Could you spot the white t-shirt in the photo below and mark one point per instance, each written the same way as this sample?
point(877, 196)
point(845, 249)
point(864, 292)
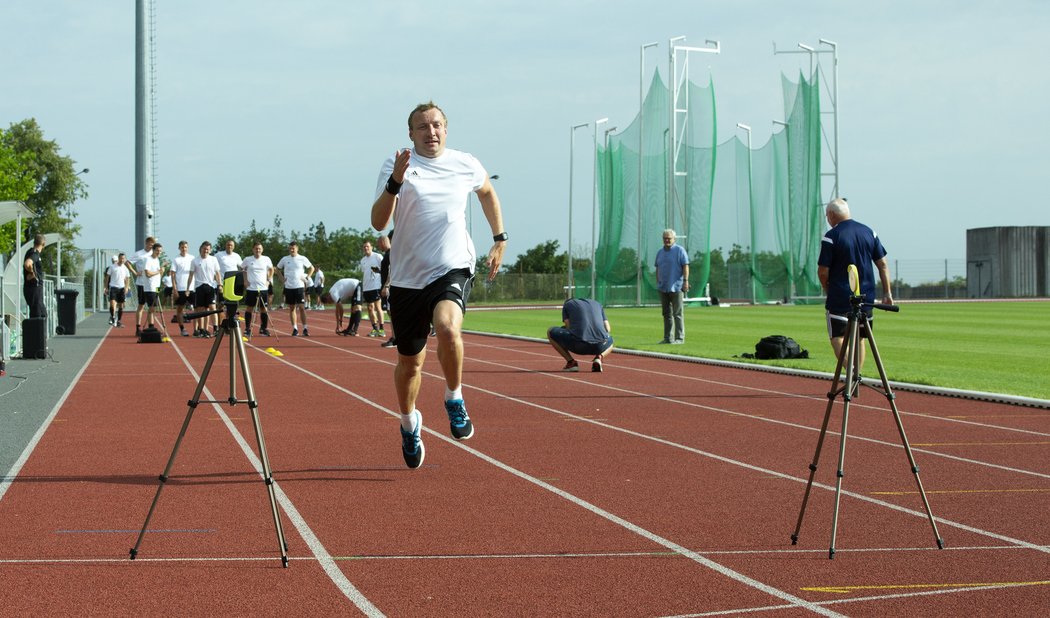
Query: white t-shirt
point(136, 261)
point(294, 270)
point(118, 275)
point(183, 266)
point(318, 278)
point(343, 289)
point(205, 271)
point(431, 217)
point(258, 270)
point(153, 281)
point(228, 261)
point(370, 271)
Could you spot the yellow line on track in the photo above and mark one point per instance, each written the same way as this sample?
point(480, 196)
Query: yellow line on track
point(963, 491)
point(848, 589)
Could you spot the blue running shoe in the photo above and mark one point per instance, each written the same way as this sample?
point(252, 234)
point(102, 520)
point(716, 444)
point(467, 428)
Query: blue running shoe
point(458, 420)
point(412, 444)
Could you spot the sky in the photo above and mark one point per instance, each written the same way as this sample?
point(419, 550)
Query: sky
point(277, 108)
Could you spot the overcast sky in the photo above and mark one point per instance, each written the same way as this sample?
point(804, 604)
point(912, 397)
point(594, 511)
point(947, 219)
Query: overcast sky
point(285, 108)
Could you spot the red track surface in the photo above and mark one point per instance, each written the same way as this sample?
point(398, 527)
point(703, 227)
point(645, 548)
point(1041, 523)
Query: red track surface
point(656, 488)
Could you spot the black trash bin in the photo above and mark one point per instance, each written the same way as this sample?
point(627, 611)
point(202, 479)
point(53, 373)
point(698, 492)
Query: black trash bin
point(67, 311)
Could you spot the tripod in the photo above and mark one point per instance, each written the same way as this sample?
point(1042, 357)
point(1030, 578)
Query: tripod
point(228, 329)
point(849, 356)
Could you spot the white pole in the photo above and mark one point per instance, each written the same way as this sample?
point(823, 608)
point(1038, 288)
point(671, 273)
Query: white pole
point(572, 148)
point(594, 207)
point(751, 208)
point(835, 89)
point(641, 148)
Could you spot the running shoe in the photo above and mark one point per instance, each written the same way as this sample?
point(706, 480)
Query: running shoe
point(412, 443)
point(295, 332)
point(112, 321)
point(596, 364)
point(459, 422)
point(571, 366)
point(306, 332)
point(265, 332)
point(389, 343)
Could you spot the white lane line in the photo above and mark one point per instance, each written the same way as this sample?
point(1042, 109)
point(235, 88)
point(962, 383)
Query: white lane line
point(869, 499)
point(594, 509)
point(5, 481)
point(316, 548)
point(855, 404)
point(690, 404)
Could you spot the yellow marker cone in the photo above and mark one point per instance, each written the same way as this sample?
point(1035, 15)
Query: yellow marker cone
point(244, 339)
point(274, 352)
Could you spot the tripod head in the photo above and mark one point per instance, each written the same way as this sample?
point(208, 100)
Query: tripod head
point(232, 293)
point(856, 300)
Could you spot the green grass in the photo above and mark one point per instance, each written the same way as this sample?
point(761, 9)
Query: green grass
point(997, 347)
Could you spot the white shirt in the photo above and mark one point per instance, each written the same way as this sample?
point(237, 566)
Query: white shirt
point(118, 275)
point(431, 217)
point(258, 271)
point(371, 278)
point(136, 261)
point(318, 278)
point(183, 266)
point(294, 269)
point(205, 271)
point(343, 289)
point(153, 281)
point(228, 261)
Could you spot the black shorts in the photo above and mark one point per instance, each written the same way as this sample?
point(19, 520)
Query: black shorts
point(117, 294)
point(295, 296)
point(204, 296)
point(255, 298)
point(151, 299)
point(167, 292)
point(837, 324)
point(141, 295)
point(370, 296)
point(183, 298)
point(415, 308)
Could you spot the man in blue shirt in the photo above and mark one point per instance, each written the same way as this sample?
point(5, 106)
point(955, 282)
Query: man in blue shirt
point(585, 331)
point(672, 279)
point(849, 242)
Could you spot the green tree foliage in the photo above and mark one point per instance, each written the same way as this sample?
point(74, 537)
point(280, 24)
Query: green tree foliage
point(543, 258)
point(29, 161)
point(336, 252)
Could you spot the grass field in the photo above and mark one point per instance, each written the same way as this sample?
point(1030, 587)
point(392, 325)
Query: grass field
point(997, 347)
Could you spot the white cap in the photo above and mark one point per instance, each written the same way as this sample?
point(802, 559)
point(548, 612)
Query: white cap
point(114, 258)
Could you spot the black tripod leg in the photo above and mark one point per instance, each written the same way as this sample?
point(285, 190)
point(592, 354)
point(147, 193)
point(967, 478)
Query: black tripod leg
point(263, 456)
point(832, 394)
point(178, 441)
point(904, 438)
point(852, 349)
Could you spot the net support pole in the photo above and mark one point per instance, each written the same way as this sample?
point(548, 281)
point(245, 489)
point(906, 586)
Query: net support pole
point(641, 170)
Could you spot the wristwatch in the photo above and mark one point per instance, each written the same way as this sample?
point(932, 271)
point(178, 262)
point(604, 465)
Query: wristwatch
point(501, 236)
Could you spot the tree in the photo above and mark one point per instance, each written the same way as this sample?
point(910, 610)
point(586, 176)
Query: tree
point(543, 258)
point(15, 185)
point(55, 184)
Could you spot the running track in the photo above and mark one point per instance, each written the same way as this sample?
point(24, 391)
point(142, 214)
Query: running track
point(657, 488)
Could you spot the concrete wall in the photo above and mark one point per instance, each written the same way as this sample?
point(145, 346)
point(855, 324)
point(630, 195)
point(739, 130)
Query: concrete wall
point(1008, 262)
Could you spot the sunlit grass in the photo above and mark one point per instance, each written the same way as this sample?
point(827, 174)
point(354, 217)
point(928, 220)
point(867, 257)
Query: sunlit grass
point(999, 347)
